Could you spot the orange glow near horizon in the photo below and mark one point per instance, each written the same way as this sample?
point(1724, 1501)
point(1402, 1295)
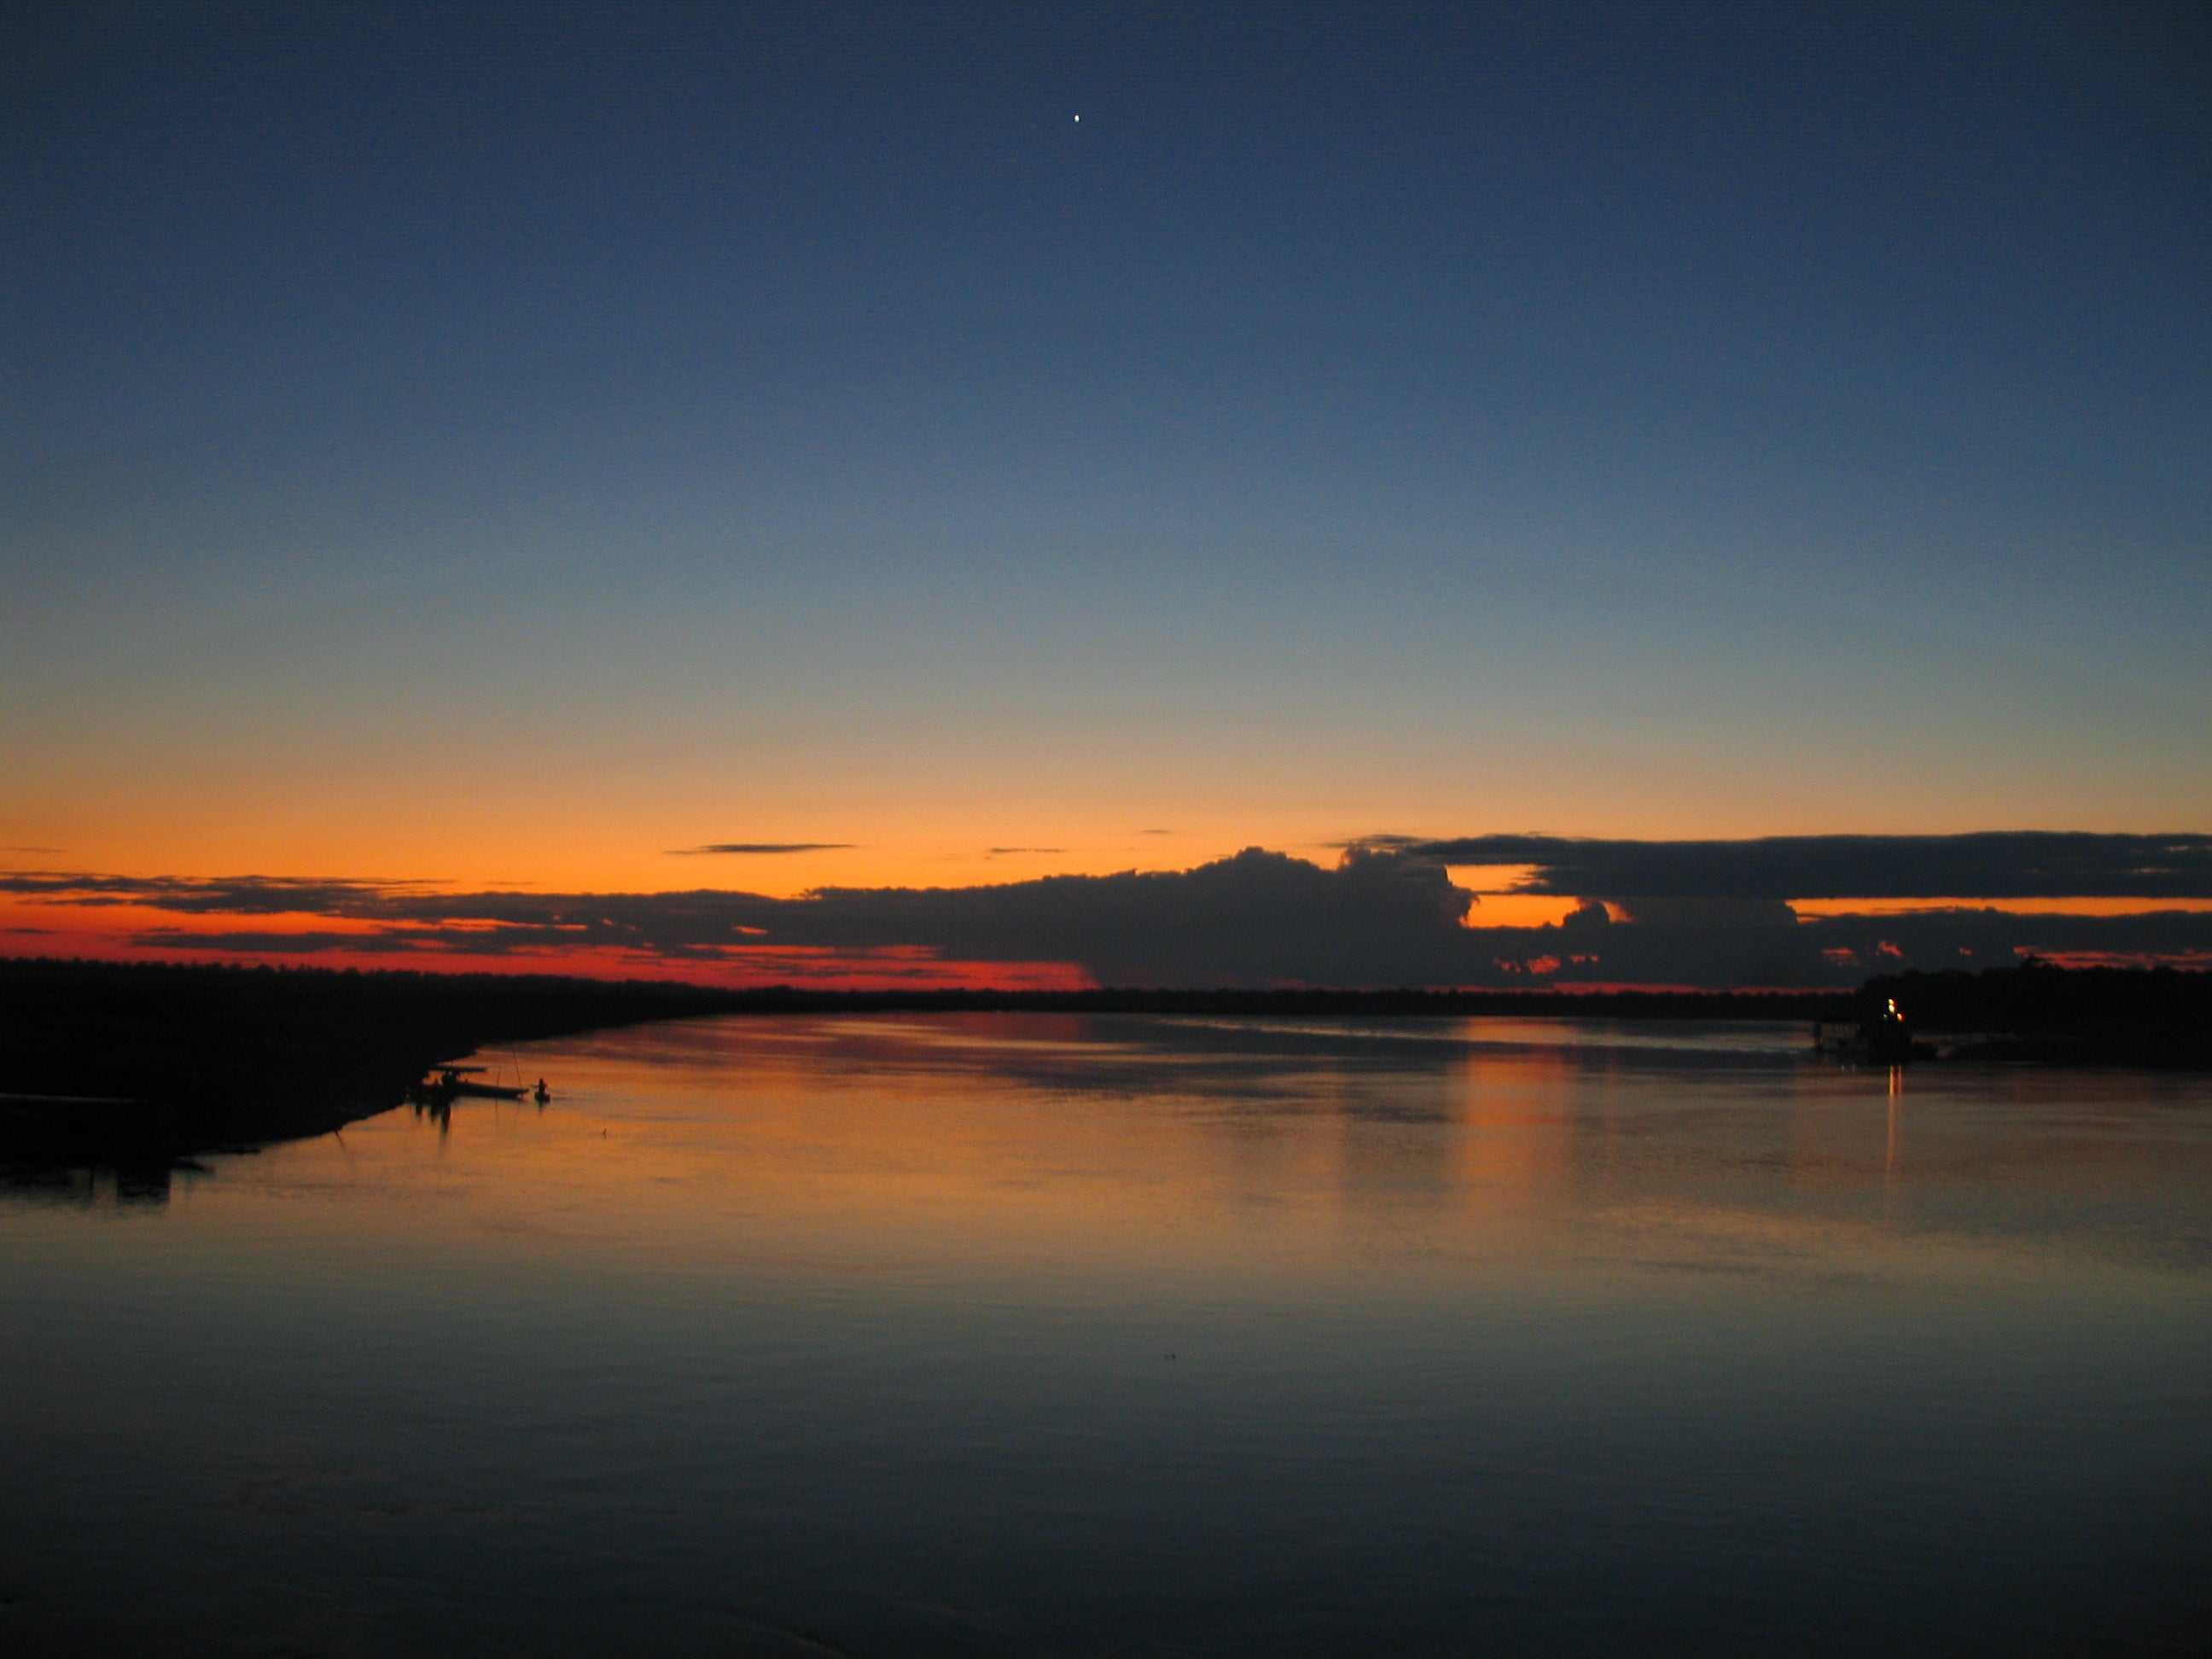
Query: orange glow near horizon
point(104, 928)
point(1516, 909)
point(109, 933)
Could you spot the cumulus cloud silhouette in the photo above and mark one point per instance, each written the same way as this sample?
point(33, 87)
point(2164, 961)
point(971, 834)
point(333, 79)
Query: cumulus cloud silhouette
point(1258, 918)
point(1261, 918)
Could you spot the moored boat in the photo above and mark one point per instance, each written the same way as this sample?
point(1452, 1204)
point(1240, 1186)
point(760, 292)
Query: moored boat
point(1881, 1039)
point(457, 1083)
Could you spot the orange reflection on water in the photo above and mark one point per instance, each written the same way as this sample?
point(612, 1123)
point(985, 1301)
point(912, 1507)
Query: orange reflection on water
point(1513, 1140)
point(1000, 1143)
point(1159, 1158)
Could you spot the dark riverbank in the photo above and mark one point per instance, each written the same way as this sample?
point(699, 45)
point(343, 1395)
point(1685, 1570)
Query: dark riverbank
point(2058, 1016)
point(163, 1061)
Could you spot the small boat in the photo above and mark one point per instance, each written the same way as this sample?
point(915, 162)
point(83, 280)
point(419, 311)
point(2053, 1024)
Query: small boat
point(1881, 1039)
point(455, 1082)
point(487, 1091)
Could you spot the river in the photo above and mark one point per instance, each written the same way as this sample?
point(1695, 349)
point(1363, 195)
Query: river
point(1112, 1334)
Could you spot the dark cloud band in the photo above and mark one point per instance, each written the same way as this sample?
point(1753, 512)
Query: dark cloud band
point(754, 848)
point(1998, 864)
point(1377, 918)
point(210, 895)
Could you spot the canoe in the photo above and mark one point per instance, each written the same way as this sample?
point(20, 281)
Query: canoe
point(483, 1091)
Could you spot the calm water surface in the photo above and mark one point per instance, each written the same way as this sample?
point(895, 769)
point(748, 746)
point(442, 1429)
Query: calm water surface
point(1005, 1334)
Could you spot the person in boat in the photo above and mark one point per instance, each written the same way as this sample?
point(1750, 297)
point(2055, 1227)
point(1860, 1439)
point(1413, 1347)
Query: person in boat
point(543, 1094)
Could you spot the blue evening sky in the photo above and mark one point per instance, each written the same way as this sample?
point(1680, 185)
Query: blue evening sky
point(1410, 394)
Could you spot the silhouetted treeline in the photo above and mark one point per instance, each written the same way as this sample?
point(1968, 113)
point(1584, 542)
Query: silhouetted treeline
point(2156, 1016)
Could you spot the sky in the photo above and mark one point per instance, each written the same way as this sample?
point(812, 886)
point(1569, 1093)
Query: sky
point(473, 450)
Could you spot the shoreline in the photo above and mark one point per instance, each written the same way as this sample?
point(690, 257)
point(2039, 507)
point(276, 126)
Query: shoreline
point(149, 1062)
point(152, 1063)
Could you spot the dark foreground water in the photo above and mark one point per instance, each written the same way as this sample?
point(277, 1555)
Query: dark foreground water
point(1131, 1336)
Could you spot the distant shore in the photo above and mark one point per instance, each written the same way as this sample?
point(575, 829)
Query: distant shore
point(2047, 1015)
point(105, 1060)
